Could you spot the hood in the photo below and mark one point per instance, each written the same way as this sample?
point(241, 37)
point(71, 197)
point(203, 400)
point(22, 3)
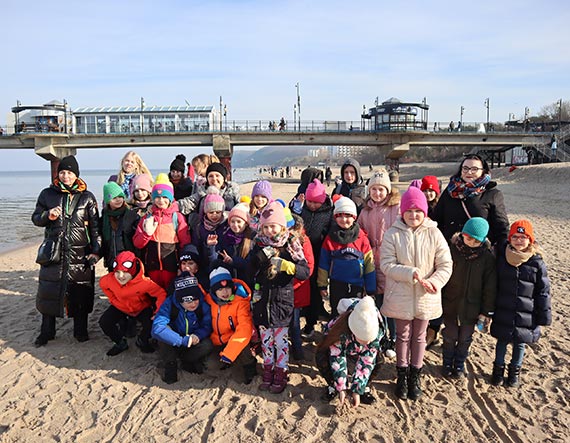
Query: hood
point(354, 163)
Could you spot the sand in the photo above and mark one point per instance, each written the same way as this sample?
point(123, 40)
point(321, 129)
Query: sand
point(72, 392)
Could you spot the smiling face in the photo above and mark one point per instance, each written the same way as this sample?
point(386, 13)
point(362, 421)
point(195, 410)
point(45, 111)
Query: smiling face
point(237, 225)
point(123, 277)
point(190, 305)
point(224, 293)
point(116, 203)
point(215, 179)
point(260, 201)
point(214, 216)
point(189, 265)
point(129, 164)
point(430, 194)
point(67, 177)
point(175, 175)
point(519, 241)
point(141, 194)
point(161, 202)
point(471, 170)
point(377, 193)
point(271, 229)
point(414, 217)
point(470, 241)
point(344, 221)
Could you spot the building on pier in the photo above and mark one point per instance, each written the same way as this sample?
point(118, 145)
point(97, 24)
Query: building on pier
point(394, 115)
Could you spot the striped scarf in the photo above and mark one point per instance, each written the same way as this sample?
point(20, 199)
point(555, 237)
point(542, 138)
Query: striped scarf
point(462, 190)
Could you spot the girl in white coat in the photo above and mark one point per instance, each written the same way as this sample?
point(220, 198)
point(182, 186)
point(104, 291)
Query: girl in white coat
point(416, 260)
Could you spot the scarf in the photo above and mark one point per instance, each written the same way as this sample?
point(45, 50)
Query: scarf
point(110, 223)
point(232, 239)
point(126, 186)
point(516, 258)
point(210, 225)
point(284, 238)
point(462, 190)
point(467, 252)
point(344, 236)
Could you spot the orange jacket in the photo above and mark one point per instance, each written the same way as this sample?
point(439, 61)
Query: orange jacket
point(232, 322)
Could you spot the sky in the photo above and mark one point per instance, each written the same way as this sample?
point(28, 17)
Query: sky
point(252, 53)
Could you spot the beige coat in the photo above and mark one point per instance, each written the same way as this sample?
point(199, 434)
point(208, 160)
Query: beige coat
point(405, 251)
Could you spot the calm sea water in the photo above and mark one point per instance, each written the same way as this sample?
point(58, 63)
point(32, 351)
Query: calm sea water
point(19, 191)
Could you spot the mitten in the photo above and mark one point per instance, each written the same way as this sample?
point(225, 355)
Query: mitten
point(283, 265)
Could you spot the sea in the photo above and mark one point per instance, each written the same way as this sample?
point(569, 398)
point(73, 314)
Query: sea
point(19, 191)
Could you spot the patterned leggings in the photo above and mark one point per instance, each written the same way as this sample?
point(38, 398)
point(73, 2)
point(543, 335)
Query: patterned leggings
point(275, 346)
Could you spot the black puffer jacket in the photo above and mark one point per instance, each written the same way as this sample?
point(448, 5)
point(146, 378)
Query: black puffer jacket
point(523, 300)
point(317, 225)
point(68, 283)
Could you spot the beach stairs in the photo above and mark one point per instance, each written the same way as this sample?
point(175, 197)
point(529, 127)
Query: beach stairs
point(542, 153)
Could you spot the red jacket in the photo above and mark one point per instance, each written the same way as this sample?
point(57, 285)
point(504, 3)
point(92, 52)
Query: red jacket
point(138, 294)
point(302, 288)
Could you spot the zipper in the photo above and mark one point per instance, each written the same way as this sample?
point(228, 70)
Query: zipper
point(218, 325)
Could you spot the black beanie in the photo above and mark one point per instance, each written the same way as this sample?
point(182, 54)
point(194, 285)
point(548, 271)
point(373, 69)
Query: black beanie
point(217, 167)
point(179, 163)
point(68, 164)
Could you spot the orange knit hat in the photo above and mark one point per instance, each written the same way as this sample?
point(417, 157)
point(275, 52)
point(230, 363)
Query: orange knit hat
point(522, 227)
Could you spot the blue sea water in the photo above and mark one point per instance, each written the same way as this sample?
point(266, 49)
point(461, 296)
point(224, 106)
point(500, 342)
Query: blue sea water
point(19, 191)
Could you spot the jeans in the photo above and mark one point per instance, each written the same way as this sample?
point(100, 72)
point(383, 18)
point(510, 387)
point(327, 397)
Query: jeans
point(456, 342)
point(501, 352)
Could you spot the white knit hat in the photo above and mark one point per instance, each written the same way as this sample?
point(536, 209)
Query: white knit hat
point(380, 177)
point(344, 205)
point(363, 320)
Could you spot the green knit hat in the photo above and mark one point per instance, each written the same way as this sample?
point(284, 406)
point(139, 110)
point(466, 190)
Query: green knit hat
point(477, 228)
point(112, 190)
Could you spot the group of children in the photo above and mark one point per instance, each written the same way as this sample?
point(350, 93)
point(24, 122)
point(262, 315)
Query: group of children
point(239, 275)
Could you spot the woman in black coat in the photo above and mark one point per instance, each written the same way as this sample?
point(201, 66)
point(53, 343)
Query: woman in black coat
point(68, 212)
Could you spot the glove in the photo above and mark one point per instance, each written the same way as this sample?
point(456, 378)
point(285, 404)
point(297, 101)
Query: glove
point(283, 265)
point(226, 362)
point(186, 341)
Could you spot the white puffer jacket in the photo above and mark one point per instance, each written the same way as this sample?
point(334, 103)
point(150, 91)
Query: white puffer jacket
point(405, 251)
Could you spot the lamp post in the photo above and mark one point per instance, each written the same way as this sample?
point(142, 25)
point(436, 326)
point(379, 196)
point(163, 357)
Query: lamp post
point(487, 106)
point(560, 115)
point(363, 118)
point(295, 117)
point(65, 115)
point(142, 115)
point(17, 127)
point(461, 110)
point(298, 104)
point(225, 117)
point(221, 106)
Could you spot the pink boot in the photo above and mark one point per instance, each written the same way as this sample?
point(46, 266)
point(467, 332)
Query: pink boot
point(267, 378)
point(279, 381)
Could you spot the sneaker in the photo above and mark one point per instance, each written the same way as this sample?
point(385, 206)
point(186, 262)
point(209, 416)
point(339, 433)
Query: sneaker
point(367, 398)
point(447, 371)
point(118, 348)
point(330, 393)
point(144, 346)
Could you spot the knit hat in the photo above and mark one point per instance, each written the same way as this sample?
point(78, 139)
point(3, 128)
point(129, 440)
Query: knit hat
point(213, 201)
point(316, 192)
point(344, 304)
point(68, 163)
point(163, 188)
point(189, 252)
point(262, 187)
point(186, 288)
point(430, 182)
point(240, 210)
point(417, 183)
point(363, 320)
point(142, 181)
point(245, 199)
point(112, 190)
point(522, 227)
point(273, 213)
point(381, 178)
point(477, 228)
point(179, 163)
point(220, 278)
point(217, 167)
point(413, 198)
point(344, 205)
point(126, 261)
point(289, 218)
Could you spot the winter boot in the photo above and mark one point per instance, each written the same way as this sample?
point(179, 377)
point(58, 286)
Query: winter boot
point(267, 379)
point(402, 383)
point(249, 372)
point(279, 381)
point(118, 347)
point(144, 345)
point(513, 376)
point(414, 386)
point(170, 372)
point(498, 375)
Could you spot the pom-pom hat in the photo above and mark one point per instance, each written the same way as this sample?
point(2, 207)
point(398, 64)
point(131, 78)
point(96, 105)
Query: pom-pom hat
point(413, 198)
point(345, 205)
point(241, 210)
point(220, 278)
point(363, 320)
point(112, 190)
point(381, 178)
point(213, 201)
point(179, 163)
point(430, 182)
point(273, 213)
point(163, 188)
point(186, 288)
point(477, 228)
point(262, 187)
point(522, 227)
point(316, 192)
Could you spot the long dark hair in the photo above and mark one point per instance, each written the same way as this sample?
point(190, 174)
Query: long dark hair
point(473, 157)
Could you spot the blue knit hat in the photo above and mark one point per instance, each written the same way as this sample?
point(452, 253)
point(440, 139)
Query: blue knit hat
point(477, 228)
point(220, 278)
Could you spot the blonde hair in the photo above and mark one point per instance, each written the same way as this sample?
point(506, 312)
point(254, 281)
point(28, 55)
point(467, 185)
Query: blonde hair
point(140, 167)
point(204, 159)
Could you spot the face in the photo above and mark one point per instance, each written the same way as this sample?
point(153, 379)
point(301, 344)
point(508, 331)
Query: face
point(189, 265)
point(313, 206)
point(344, 221)
point(199, 167)
point(271, 229)
point(224, 293)
point(129, 164)
point(470, 241)
point(67, 177)
point(237, 225)
point(414, 217)
point(349, 174)
point(161, 202)
point(430, 194)
point(215, 179)
point(116, 203)
point(190, 305)
point(378, 193)
point(141, 194)
point(123, 277)
point(520, 242)
point(214, 216)
point(175, 175)
point(260, 201)
point(471, 170)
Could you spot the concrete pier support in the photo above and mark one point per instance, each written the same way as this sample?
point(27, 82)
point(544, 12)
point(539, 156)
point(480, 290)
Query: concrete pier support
point(222, 147)
point(46, 149)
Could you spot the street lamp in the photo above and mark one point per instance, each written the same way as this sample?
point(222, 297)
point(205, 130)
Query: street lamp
point(298, 104)
point(226, 117)
point(487, 106)
point(142, 115)
point(461, 116)
point(295, 117)
point(363, 118)
point(560, 115)
point(221, 105)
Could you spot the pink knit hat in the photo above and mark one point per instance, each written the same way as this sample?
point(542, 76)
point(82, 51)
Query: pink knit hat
point(142, 181)
point(241, 210)
point(413, 198)
point(316, 192)
point(213, 201)
point(273, 213)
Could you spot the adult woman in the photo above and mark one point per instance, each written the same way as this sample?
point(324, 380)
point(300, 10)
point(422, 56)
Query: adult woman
point(131, 165)
point(68, 212)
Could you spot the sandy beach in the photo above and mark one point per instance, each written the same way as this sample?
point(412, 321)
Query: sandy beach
point(72, 392)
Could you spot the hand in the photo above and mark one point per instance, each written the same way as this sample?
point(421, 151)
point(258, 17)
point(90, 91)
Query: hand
point(301, 198)
point(92, 259)
point(212, 240)
point(324, 293)
point(186, 341)
point(226, 258)
point(150, 225)
point(428, 286)
point(355, 399)
point(54, 213)
point(194, 338)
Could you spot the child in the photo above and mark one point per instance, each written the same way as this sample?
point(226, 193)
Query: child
point(417, 263)
point(469, 295)
point(132, 295)
point(139, 203)
point(351, 185)
point(189, 259)
point(430, 188)
point(113, 232)
point(277, 258)
point(260, 197)
point(182, 185)
point(162, 233)
point(523, 300)
point(356, 333)
point(183, 326)
point(232, 325)
point(380, 211)
point(346, 258)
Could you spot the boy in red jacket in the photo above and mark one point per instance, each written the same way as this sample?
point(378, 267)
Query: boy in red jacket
point(131, 294)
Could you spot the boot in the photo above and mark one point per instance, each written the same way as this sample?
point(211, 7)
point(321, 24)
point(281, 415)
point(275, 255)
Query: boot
point(267, 379)
point(414, 387)
point(498, 375)
point(279, 381)
point(402, 383)
point(170, 372)
point(249, 372)
point(144, 345)
point(118, 347)
point(513, 376)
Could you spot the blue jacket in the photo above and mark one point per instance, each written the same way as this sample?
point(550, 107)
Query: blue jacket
point(198, 322)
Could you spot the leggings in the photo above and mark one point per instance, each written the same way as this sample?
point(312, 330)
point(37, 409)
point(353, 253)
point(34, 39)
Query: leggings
point(275, 346)
point(410, 342)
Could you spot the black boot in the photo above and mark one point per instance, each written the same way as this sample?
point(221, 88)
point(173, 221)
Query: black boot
point(118, 347)
point(170, 372)
point(414, 386)
point(249, 372)
point(513, 376)
point(402, 383)
point(498, 375)
point(47, 331)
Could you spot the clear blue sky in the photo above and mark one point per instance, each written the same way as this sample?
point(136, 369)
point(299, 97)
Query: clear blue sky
point(343, 54)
